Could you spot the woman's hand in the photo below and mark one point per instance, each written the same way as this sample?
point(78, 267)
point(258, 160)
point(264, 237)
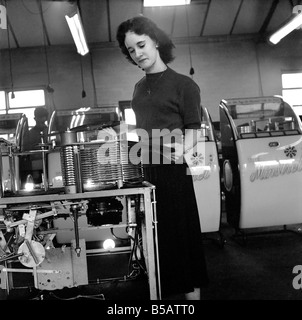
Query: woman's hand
point(176, 150)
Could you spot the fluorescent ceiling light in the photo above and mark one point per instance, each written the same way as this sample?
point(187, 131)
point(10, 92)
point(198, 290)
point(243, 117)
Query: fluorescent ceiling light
point(77, 31)
point(293, 23)
point(160, 3)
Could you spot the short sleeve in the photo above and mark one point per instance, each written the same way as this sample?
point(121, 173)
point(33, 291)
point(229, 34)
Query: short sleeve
point(191, 105)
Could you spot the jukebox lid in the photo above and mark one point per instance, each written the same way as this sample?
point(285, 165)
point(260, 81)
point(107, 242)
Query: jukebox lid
point(87, 120)
point(62, 120)
point(256, 114)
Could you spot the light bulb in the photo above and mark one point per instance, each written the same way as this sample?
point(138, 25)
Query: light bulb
point(29, 184)
point(108, 244)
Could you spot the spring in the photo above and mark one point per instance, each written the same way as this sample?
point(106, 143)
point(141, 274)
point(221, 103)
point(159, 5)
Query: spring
point(68, 166)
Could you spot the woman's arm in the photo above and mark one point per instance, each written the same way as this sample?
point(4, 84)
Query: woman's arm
point(189, 141)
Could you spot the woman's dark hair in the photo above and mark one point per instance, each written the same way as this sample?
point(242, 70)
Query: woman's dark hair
point(142, 25)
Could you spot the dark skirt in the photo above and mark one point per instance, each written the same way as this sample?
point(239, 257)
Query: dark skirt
point(181, 255)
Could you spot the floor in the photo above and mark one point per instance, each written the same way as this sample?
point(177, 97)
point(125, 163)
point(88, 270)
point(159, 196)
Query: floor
point(257, 267)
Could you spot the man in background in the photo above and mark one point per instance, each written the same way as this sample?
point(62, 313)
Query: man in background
point(33, 140)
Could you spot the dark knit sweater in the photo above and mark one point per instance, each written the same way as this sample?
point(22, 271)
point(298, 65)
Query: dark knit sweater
point(171, 106)
point(174, 102)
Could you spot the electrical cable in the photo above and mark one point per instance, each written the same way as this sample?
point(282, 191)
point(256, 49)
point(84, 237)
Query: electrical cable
point(189, 43)
point(82, 78)
point(93, 80)
point(116, 237)
point(10, 60)
point(259, 71)
point(49, 88)
point(136, 247)
point(136, 265)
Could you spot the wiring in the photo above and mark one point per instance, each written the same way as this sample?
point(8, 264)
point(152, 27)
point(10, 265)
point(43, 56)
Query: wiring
point(116, 237)
point(135, 264)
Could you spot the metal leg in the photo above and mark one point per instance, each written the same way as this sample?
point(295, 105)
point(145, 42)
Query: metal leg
point(75, 210)
point(152, 253)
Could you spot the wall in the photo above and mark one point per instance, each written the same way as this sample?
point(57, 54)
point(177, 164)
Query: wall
point(223, 69)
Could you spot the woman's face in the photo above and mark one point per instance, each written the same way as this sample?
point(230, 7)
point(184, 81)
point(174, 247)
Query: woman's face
point(143, 51)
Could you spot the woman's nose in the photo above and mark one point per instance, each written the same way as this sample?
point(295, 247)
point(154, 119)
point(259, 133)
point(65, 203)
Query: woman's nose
point(138, 53)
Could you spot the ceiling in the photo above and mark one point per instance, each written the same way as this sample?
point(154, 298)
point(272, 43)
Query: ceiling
point(41, 22)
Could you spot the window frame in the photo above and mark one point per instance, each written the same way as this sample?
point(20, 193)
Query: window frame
point(9, 110)
point(297, 107)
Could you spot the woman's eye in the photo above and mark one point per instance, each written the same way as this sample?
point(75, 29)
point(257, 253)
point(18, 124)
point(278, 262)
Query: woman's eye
point(141, 46)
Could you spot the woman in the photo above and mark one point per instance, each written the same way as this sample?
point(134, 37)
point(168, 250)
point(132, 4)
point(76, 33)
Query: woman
point(167, 105)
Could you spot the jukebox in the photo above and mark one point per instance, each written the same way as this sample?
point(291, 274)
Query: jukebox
point(204, 167)
point(261, 143)
point(92, 202)
point(88, 158)
point(12, 128)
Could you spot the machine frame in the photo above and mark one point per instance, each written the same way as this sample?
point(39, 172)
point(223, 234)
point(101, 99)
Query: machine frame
point(149, 227)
